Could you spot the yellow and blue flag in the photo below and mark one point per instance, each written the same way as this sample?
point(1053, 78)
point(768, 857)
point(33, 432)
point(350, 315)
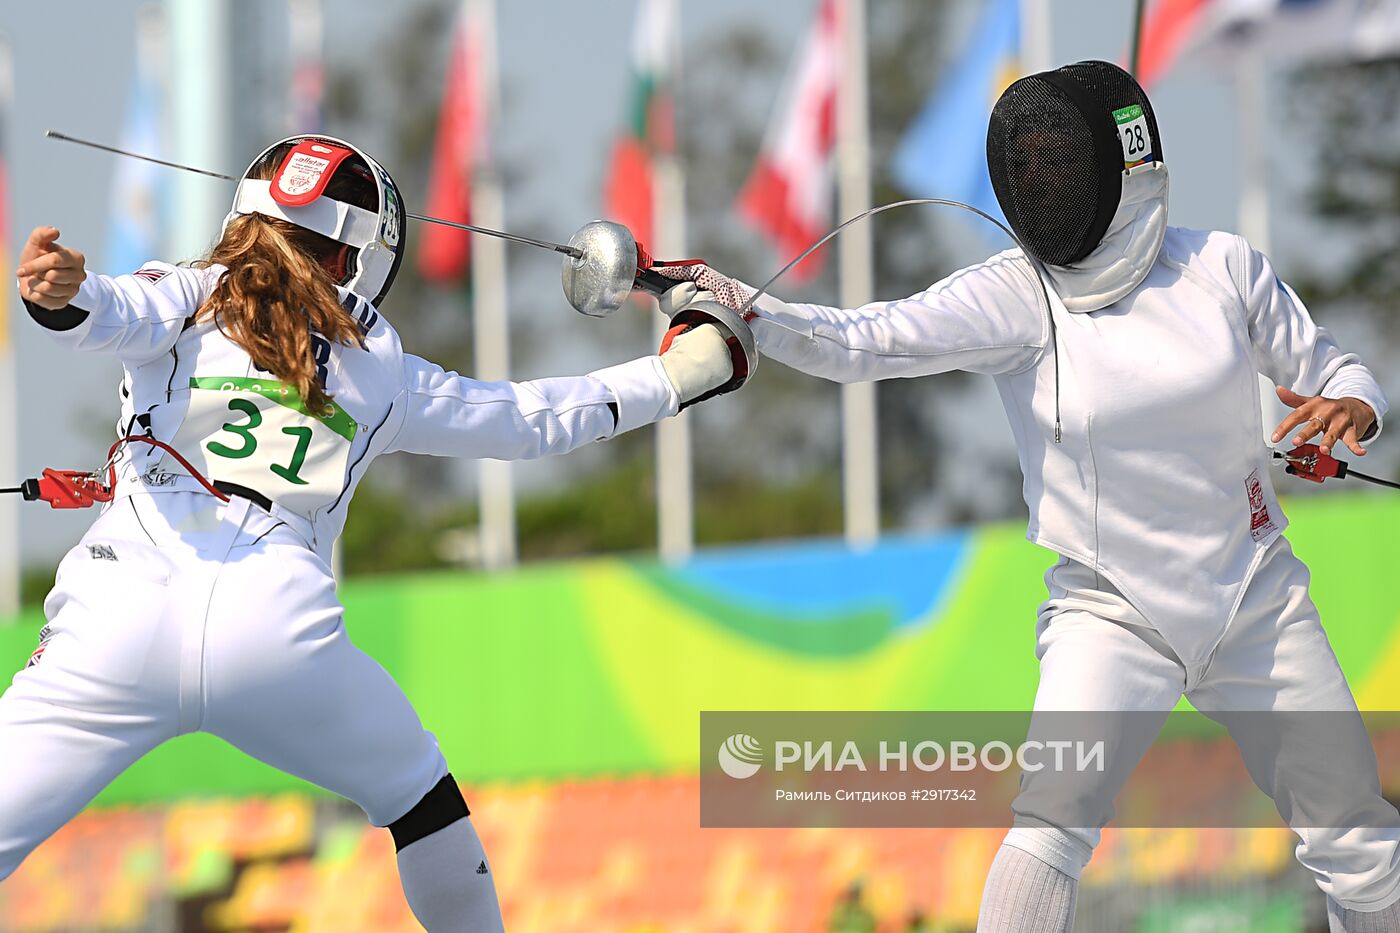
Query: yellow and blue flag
point(944, 152)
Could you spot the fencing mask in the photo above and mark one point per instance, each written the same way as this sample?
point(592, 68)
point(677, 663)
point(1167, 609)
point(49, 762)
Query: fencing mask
point(1060, 145)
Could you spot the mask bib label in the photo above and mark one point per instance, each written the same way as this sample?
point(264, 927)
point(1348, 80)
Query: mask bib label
point(1134, 134)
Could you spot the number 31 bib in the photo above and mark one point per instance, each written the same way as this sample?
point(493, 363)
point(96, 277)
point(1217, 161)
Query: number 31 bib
point(257, 433)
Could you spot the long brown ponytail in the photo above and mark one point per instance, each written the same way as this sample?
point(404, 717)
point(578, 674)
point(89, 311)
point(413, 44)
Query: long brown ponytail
point(273, 296)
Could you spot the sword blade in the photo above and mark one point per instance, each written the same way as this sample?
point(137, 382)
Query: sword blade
point(470, 228)
point(573, 251)
point(54, 134)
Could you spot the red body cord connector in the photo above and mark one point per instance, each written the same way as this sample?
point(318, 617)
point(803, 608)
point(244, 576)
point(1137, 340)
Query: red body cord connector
point(74, 489)
point(1310, 463)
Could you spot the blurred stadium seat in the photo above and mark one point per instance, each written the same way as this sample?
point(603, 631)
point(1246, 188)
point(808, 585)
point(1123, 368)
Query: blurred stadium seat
point(621, 855)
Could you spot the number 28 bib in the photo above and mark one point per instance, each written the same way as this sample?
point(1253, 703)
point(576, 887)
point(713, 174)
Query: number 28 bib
point(257, 433)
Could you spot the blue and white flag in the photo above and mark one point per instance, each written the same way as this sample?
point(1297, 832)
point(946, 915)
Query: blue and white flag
point(140, 190)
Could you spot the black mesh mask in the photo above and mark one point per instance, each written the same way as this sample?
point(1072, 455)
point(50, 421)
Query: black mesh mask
point(1058, 145)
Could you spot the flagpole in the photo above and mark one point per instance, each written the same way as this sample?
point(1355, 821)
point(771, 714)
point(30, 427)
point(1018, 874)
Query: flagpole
point(1250, 100)
point(1035, 36)
point(202, 108)
point(9, 401)
point(1135, 59)
point(492, 339)
point(675, 486)
point(859, 416)
point(1253, 219)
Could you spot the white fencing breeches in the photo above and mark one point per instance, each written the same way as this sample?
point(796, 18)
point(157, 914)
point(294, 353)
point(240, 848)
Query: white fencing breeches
point(177, 613)
point(1098, 653)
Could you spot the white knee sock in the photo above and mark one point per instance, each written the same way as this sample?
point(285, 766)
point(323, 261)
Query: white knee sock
point(448, 882)
point(1025, 895)
point(1342, 920)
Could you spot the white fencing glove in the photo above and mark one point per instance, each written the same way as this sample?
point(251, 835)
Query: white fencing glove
point(697, 361)
point(709, 350)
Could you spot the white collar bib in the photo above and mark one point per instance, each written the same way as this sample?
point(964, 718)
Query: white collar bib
point(1129, 247)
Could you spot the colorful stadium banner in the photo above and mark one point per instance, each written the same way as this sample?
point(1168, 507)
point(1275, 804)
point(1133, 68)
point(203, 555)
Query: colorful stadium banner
point(602, 667)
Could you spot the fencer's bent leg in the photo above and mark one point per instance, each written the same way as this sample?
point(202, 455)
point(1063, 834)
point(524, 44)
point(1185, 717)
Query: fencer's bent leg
point(1311, 753)
point(100, 696)
point(1096, 654)
point(286, 685)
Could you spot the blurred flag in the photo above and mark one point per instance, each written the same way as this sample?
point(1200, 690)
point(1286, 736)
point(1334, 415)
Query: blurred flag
point(141, 190)
point(944, 152)
point(308, 71)
point(461, 145)
point(1170, 26)
point(6, 91)
point(6, 95)
point(788, 195)
point(9, 397)
point(629, 194)
point(1284, 29)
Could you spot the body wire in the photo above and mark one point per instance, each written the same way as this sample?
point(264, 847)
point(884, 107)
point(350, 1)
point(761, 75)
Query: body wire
point(1037, 270)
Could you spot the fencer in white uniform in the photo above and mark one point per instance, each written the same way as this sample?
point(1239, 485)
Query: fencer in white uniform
point(179, 612)
point(1135, 407)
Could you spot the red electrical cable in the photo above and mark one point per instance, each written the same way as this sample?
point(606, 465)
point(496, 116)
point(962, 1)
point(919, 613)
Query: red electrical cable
point(143, 439)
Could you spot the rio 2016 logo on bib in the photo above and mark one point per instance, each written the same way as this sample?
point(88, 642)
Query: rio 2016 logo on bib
point(258, 433)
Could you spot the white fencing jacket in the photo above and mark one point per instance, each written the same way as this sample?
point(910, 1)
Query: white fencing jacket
point(187, 384)
point(1161, 481)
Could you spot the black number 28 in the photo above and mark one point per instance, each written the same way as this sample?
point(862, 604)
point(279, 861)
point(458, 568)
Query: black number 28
point(292, 472)
point(1137, 142)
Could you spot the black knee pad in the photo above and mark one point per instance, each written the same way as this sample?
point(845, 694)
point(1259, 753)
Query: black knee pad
point(440, 807)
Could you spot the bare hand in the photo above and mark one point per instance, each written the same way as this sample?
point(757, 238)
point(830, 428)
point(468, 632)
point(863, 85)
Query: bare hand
point(49, 273)
point(1337, 419)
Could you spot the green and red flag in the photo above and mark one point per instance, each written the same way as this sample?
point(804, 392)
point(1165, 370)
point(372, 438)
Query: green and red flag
point(650, 128)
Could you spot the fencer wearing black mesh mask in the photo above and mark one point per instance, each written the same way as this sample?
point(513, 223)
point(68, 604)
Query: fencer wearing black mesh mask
point(1174, 576)
point(1075, 158)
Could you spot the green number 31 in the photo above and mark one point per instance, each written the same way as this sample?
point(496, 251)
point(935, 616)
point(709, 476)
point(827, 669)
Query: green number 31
point(292, 472)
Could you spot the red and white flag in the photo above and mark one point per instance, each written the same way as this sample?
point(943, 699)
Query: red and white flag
point(790, 192)
point(461, 145)
point(1288, 30)
point(650, 131)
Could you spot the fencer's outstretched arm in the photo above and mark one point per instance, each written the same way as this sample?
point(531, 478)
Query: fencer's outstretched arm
point(987, 318)
point(1291, 349)
point(450, 415)
point(454, 416)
